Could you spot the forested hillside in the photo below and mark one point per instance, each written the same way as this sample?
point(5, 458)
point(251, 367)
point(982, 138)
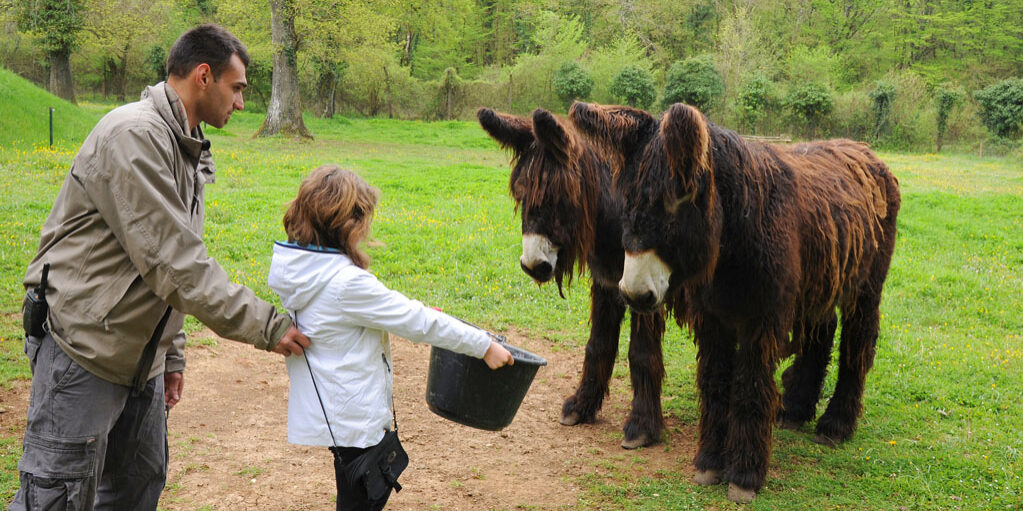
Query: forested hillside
point(903, 74)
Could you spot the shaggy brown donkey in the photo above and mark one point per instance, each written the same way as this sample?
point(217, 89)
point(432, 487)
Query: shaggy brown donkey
point(570, 219)
point(748, 242)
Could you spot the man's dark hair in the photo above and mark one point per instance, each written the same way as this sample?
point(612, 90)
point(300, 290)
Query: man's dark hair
point(210, 44)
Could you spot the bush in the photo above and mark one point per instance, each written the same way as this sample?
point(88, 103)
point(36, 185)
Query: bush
point(605, 62)
point(882, 97)
point(572, 82)
point(694, 81)
point(634, 86)
point(852, 117)
point(1002, 107)
point(946, 99)
point(755, 98)
point(811, 103)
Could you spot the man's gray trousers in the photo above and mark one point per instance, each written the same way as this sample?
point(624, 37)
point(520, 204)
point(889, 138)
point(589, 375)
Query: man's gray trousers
point(89, 444)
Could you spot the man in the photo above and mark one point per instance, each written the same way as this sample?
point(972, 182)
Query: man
point(125, 253)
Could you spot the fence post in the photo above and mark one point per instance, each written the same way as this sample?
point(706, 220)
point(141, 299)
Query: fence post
point(51, 127)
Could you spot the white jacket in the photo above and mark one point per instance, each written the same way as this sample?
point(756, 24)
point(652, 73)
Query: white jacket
point(346, 313)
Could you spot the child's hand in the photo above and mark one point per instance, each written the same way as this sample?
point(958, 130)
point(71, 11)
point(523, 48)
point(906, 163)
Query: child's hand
point(497, 356)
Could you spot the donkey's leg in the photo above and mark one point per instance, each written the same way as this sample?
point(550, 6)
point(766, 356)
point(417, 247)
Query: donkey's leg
point(606, 313)
point(646, 367)
point(805, 377)
point(715, 356)
point(856, 356)
point(752, 410)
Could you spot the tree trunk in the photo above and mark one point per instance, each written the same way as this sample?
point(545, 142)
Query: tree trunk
point(511, 90)
point(326, 92)
point(284, 113)
point(122, 77)
point(390, 106)
point(60, 75)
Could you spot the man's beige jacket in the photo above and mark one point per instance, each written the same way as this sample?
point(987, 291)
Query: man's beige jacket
point(124, 240)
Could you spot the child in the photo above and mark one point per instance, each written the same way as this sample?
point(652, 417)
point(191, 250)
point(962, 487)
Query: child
point(322, 278)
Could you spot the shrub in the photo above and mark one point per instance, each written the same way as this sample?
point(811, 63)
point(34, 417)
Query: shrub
point(634, 86)
point(810, 102)
point(572, 82)
point(756, 96)
point(693, 81)
point(1002, 107)
point(946, 99)
point(851, 117)
point(882, 97)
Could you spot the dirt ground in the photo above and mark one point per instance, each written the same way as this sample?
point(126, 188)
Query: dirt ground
point(229, 450)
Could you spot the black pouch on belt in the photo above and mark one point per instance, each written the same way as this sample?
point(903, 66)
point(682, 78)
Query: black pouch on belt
point(34, 309)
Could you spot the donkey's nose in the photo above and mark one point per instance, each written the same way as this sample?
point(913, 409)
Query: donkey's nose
point(541, 272)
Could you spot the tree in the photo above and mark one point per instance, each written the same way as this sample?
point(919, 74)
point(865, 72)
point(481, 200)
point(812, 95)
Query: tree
point(330, 35)
point(118, 29)
point(1001, 107)
point(450, 85)
point(635, 87)
point(882, 97)
point(156, 63)
point(946, 99)
point(56, 24)
point(754, 100)
point(572, 82)
point(810, 102)
point(284, 113)
point(693, 81)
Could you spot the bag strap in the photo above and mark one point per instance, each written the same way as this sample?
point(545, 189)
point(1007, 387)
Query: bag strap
point(320, 399)
point(394, 416)
point(305, 356)
point(138, 382)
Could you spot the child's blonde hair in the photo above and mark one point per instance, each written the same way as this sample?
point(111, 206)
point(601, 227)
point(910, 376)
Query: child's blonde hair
point(334, 208)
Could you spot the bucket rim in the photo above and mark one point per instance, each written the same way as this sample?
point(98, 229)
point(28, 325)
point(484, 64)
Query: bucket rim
point(524, 356)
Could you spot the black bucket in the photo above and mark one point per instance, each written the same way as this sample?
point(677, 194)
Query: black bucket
point(465, 390)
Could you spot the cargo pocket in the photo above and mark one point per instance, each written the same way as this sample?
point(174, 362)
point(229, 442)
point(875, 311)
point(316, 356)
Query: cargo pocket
point(57, 474)
point(32, 344)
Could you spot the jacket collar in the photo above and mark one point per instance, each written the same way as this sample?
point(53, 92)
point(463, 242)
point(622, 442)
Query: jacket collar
point(195, 144)
point(309, 248)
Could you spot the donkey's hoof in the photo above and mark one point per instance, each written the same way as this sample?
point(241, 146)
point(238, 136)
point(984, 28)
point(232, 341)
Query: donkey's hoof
point(642, 440)
point(826, 440)
point(740, 495)
point(790, 424)
point(570, 419)
point(707, 477)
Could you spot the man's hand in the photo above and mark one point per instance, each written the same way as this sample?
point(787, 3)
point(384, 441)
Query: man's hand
point(293, 343)
point(173, 385)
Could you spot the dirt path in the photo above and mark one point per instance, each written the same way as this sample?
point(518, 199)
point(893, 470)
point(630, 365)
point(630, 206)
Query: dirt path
point(229, 450)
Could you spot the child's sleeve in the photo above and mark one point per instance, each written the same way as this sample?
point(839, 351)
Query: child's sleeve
point(365, 301)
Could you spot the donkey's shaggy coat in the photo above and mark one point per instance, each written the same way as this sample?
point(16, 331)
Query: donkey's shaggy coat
point(570, 218)
point(748, 242)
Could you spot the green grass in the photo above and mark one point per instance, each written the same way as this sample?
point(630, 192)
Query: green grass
point(942, 425)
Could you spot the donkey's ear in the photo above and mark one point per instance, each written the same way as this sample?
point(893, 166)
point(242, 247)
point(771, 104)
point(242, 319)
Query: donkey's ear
point(618, 127)
point(508, 130)
point(686, 140)
point(552, 135)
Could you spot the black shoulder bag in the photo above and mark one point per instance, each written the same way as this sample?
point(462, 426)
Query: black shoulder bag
point(375, 471)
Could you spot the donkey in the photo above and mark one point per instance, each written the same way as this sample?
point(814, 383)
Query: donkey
point(748, 242)
point(570, 218)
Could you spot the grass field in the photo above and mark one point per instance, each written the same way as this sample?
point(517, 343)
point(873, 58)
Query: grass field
point(942, 427)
